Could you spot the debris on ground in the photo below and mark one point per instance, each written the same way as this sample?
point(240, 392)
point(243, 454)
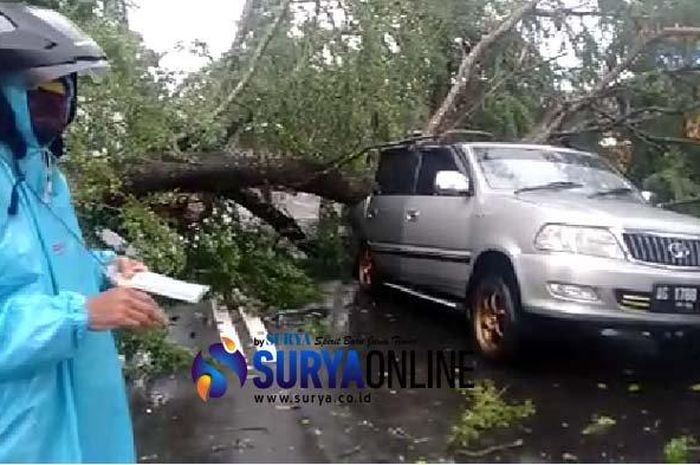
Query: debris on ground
point(157, 399)
point(292, 316)
point(238, 444)
point(568, 457)
point(677, 450)
point(490, 450)
point(599, 424)
point(398, 432)
point(350, 452)
point(287, 407)
point(487, 410)
point(255, 428)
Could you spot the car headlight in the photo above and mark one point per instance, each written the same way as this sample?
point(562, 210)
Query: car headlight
point(598, 242)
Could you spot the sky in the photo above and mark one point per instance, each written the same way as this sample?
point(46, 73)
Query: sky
point(164, 23)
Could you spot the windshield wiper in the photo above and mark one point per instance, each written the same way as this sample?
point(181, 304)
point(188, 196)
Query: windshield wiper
point(616, 191)
point(551, 185)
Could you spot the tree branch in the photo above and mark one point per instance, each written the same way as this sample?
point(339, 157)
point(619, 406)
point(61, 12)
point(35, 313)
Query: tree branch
point(285, 226)
point(633, 117)
point(564, 12)
point(496, 87)
point(468, 66)
point(254, 61)
point(556, 116)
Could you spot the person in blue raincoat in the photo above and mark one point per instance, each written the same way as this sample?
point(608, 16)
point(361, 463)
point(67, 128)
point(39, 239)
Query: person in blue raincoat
point(62, 394)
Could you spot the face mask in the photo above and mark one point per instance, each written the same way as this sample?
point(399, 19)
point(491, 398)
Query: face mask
point(49, 109)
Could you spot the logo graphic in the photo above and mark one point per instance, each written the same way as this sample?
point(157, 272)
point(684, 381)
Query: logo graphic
point(679, 250)
point(210, 382)
point(314, 364)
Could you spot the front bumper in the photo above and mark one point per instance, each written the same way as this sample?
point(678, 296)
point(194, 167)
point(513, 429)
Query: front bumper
point(609, 278)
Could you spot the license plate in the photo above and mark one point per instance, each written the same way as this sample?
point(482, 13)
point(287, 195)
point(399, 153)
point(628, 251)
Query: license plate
point(675, 299)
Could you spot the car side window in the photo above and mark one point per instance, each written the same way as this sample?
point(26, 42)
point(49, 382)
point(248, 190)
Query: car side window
point(397, 172)
point(433, 161)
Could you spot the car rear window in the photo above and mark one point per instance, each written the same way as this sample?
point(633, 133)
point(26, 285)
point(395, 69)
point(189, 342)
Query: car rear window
point(397, 172)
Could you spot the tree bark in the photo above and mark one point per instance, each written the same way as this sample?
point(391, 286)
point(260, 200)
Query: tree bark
point(468, 67)
point(227, 174)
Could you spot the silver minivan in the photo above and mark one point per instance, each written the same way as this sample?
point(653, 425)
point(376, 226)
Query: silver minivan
point(509, 231)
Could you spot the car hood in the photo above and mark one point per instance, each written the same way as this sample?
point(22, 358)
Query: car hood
point(611, 212)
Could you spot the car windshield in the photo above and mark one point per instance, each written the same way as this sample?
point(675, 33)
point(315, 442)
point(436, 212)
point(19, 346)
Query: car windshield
point(524, 169)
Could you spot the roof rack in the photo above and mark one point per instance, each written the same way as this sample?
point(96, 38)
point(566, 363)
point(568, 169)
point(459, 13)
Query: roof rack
point(447, 137)
point(465, 135)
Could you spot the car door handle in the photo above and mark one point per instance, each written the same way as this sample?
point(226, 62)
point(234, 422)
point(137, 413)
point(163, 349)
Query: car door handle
point(372, 213)
point(412, 215)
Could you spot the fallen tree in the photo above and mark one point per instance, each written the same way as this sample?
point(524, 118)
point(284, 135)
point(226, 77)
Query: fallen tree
point(228, 174)
point(234, 174)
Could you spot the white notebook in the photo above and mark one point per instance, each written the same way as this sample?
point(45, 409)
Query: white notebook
point(162, 285)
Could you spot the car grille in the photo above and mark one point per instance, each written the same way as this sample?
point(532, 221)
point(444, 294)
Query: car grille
point(663, 250)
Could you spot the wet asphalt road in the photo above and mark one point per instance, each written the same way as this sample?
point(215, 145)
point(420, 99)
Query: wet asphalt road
point(569, 380)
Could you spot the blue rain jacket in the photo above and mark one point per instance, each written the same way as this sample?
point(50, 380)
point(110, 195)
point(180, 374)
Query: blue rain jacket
point(62, 394)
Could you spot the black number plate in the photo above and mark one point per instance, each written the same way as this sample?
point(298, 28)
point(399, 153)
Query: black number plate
point(675, 299)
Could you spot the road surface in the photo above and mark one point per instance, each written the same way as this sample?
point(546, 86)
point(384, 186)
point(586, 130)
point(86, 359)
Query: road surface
point(650, 397)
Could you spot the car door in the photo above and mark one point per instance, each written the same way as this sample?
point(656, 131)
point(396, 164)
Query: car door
point(385, 214)
point(437, 227)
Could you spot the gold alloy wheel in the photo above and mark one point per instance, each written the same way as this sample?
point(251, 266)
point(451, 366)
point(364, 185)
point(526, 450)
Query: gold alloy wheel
point(490, 319)
point(365, 271)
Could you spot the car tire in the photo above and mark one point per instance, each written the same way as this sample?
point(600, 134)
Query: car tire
point(495, 316)
point(366, 271)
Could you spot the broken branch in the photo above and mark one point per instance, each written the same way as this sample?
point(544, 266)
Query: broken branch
point(468, 67)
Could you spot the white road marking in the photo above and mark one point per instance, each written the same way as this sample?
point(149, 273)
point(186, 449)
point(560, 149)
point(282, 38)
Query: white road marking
point(256, 330)
point(225, 325)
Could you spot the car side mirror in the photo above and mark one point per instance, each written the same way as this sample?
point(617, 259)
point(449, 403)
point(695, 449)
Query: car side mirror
point(650, 197)
point(451, 183)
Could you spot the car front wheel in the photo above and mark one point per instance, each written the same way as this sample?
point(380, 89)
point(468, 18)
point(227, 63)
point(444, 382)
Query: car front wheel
point(495, 309)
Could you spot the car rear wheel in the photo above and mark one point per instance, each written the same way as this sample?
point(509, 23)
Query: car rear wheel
point(495, 308)
point(367, 274)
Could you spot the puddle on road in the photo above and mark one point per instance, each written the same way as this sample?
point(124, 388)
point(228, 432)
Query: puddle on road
point(597, 399)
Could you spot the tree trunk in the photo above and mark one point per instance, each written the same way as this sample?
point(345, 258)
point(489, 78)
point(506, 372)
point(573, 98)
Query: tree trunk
point(224, 174)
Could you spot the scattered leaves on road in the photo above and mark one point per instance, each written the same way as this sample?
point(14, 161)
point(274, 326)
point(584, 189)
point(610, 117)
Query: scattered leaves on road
point(486, 410)
point(599, 424)
point(677, 450)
